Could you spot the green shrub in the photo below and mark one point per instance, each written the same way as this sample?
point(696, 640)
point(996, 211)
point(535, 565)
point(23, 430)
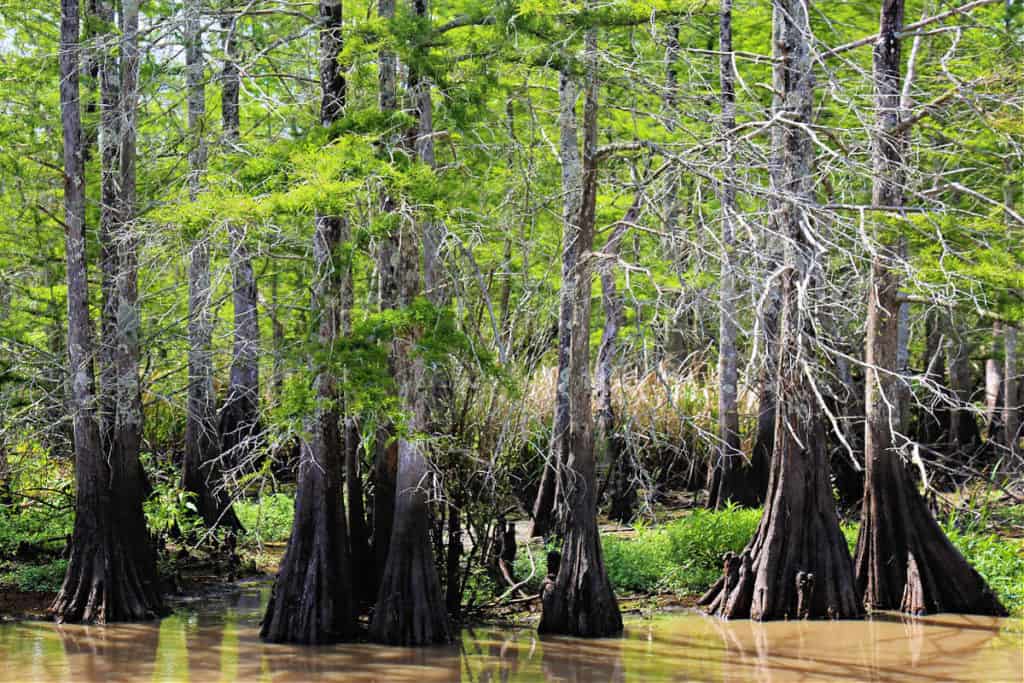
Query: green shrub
point(683, 556)
point(39, 577)
point(699, 540)
point(266, 519)
point(35, 525)
point(171, 511)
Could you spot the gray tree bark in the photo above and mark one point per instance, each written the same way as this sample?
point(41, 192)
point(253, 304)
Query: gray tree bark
point(201, 469)
point(965, 437)
point(230, 79)
point(581, 601)
point(731, 478)
point(1011, 409)
point(994, 388)
point(238, 428)
point(903, 559)
point(797, 565)
point(547, 509)
point(111, 573)
point(109, 138)
point(239, 417)
point(611, 446)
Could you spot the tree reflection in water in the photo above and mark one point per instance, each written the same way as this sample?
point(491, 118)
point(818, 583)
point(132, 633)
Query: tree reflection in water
point(121, 652)
point(216, 639)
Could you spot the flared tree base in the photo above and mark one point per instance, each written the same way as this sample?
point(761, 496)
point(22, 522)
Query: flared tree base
point(905, 562)
point(311, 602)
point(410, 609)
point(581, 602)
point(797, 566)
point(108, 580)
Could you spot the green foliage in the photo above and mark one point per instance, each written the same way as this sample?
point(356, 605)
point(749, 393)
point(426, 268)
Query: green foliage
point(36, 577)
point(40, 513)
point(685, 555)
point(699, 540)
point(33, 525)
point(1000, 561)
point(170, 508)
point(267, 519)
point(643, 563)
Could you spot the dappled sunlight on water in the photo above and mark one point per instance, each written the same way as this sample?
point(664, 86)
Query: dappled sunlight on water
point(216, 640)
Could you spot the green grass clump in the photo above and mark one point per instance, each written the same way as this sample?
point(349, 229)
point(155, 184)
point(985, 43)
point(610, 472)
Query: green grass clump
point(699, 540)
point(268, 519)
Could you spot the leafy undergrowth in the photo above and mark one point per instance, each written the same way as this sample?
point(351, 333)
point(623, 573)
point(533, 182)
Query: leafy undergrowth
point(1000, 560)
point(35, 578)
point(33, 533)
point(684, 555)
point(266, 520)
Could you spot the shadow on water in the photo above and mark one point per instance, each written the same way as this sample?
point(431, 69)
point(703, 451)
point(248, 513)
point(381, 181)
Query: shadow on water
point(216, 639)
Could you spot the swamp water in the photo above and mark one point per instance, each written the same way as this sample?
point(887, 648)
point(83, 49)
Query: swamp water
point(215, 639)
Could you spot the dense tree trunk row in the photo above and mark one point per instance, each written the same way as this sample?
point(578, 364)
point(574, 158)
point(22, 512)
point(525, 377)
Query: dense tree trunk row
point(797, 565)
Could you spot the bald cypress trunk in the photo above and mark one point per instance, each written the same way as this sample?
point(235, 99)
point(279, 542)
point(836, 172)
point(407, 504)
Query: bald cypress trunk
point(732, 479)
point(111, 573)
point(410, 608)
point(994, 388)
point(201, 469)
point(230, 79)
point(129, 417)
point(611, 445)
point(965, 435)
point(581, 601)
point(109, 137)
point(548, 504)
point(239, 417)
point(770, 309)
point(238, 426)
point(797, 565)
point(904, 560)
point(312, 599)
point(385, 466)
point(437, 293)
point(1011, 400)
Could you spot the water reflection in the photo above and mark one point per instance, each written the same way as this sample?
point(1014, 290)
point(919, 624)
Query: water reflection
point(217, 640)
point(94, 653)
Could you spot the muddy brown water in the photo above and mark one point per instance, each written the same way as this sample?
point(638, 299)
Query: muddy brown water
point(215, 639)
